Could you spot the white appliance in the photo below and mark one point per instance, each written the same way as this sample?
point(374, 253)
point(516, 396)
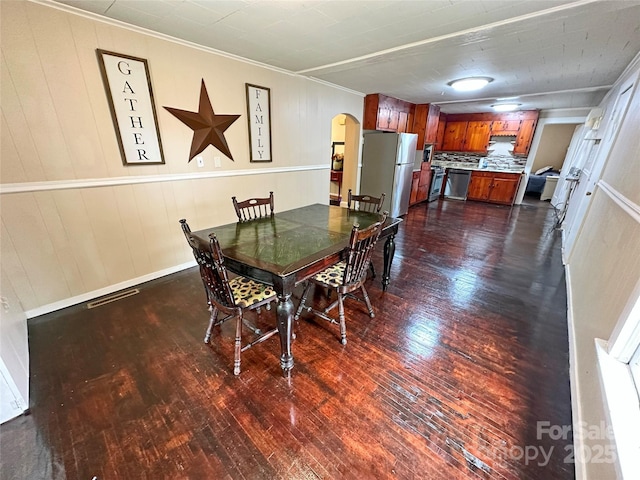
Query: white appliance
point(387, 167)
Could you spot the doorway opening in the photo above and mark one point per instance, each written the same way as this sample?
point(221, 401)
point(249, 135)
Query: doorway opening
point(343, 157)
point(548, 161)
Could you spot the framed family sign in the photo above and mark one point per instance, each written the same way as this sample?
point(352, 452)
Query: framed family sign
point(126, 80)
point(259, 117)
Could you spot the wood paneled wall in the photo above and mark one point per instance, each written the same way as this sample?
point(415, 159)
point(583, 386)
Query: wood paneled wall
point(57, 130)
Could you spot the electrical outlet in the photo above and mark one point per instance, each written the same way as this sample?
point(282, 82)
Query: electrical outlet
point(216, 162)
point(200, 161)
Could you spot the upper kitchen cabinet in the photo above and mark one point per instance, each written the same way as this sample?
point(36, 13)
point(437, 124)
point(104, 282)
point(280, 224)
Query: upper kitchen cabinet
point(442, 123)
point(505, 127)
point(477, 136)
point(524, 137)
point(387, 113)
point(479, 127)
point(454, 134)
point(425, 123)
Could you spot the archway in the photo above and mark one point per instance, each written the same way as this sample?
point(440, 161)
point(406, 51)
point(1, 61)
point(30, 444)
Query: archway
point(344, 154)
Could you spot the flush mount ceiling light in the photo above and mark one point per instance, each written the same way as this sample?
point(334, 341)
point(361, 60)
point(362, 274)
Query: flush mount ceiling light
point(469, 84)
point(505, 107)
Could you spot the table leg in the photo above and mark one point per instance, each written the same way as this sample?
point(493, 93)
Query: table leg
point(284, 312)
point(389, 252)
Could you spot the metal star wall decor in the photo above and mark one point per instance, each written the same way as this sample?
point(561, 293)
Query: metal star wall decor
point(208, 128)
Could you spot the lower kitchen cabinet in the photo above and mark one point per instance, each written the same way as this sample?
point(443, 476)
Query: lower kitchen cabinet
point(420, 184)
point(415, 184)
point(494, 187)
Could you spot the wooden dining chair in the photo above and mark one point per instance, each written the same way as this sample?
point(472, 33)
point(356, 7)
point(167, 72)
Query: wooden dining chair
point(230, 298)
point(346, 277)
point(253, 208)
point(365, 203)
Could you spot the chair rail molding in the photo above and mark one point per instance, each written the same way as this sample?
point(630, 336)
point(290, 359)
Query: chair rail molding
point(26, 187)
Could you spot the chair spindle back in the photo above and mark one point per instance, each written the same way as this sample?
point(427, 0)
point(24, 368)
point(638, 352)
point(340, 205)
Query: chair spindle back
point(360, 249)
point(253, 208)
point(365, 203)
point(212, 269)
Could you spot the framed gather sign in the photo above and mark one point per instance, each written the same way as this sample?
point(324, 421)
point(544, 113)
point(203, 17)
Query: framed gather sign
point(126, 80)
point(259, 116)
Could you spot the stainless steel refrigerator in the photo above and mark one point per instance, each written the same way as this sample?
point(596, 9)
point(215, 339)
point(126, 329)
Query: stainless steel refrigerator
point(387, 167)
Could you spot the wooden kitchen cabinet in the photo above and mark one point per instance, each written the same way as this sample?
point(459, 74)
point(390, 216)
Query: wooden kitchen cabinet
point(420, 184)
point(467, 136)
point(477, 136)
point(521, 124)
point(494, 187)
point(504, 188)
point(425, 123)
point(442, 123)
point(382, 118)
point(454, 134)
point(415, 183)
point(425, 181)
point(387, 113)
point(403, 119)
point(479, 186)
point(505, 127)
point(433, 121)
point(524, 137)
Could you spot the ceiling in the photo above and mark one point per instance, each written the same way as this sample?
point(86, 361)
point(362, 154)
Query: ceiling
point(551, 54)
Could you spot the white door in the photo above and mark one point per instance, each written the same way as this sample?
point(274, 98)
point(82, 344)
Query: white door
point(14, 353)
point(592, 170)
point(11, 402)
point(573, 158)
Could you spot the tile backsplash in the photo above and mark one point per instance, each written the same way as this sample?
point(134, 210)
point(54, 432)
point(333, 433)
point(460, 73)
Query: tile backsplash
point(499, 156)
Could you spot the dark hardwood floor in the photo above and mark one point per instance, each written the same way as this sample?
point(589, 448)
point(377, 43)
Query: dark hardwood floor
point(467, 353)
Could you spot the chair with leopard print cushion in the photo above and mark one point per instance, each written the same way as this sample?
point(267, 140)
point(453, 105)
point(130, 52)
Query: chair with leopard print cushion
point(229, 297)
point(347, 276)
point(366, 203)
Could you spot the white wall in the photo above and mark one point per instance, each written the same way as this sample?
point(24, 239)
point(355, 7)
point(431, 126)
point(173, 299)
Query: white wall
point(76, 223)
point(548, 117)
point(76, 220)
point(554, 141)
point(604, 268)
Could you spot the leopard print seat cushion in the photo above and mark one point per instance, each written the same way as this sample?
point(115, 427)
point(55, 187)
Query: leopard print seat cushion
point(332, 275)
point(247, 292)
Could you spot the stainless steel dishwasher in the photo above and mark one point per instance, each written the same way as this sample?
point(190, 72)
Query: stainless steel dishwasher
point(457, 184)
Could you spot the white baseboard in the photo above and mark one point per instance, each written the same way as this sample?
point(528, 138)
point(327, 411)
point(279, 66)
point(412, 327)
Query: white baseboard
point(68, 302)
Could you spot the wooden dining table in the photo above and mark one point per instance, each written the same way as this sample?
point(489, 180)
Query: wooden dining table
point(289, 247)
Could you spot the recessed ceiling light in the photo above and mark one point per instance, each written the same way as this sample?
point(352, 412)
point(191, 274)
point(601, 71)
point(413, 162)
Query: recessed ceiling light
point(469, 84)
point(505, 107)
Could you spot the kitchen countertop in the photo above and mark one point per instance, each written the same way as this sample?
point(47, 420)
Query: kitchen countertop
point(476, 167)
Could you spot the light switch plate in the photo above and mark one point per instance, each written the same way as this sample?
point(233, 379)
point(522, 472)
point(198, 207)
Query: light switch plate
point(200, 161)
point(216, 162)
